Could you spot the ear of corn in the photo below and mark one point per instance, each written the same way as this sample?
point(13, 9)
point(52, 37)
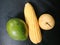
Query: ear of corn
point(31, 20)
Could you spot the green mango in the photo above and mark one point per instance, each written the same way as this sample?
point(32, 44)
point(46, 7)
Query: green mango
point(17, 29)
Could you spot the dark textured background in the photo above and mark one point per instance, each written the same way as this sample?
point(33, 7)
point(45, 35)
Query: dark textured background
point(14, 8)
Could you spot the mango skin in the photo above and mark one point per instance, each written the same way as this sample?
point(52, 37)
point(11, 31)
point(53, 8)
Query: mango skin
point(17, 29)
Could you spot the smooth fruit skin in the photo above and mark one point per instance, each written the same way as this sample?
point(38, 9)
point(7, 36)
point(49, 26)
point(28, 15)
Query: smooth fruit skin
point(46, 22)
point(17, 29)
point(31, 20)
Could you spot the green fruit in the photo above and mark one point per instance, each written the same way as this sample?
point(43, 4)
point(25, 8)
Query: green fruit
point(17, 29)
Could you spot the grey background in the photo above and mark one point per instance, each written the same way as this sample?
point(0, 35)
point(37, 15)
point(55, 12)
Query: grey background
point(14, 8)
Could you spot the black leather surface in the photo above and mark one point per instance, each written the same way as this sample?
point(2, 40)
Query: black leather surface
point(14, 8)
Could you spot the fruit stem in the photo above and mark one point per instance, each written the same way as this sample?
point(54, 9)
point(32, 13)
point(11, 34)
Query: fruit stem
point(48, 24)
